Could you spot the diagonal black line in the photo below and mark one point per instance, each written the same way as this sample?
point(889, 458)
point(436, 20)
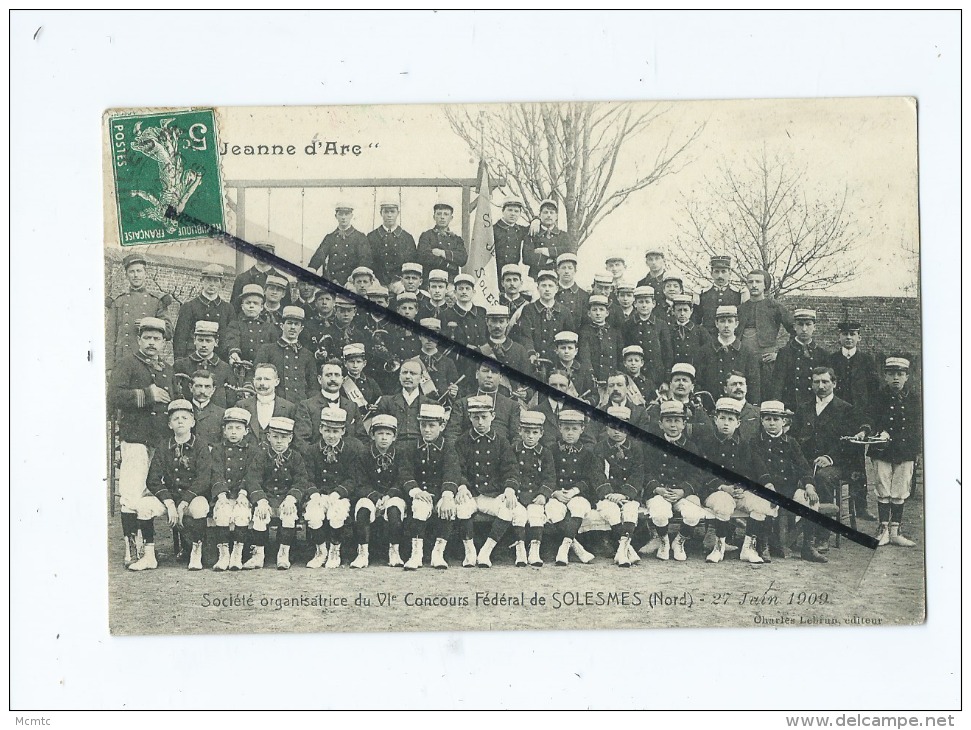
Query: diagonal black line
point(590, 411)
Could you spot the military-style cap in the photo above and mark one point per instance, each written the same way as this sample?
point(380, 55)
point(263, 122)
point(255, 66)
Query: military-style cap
point(726, 310)
point(721, 262)
point(266, 246)
point(683, 368)
point(499, 310)
point(728, 405)
point(377, 290)
point(410, 267)
point(532, 418)
point(438, 275)
point(852, 325)
point(566, 336)
point(597, 299)
point(773, 408)
point(252, 290)
point(237, 415)
point(383, 420)
point(571, 417)
point(274, 280)
point(354, 349)
point(479, 404)
point(549, 203)
point(570, 258)
point(603, 277)
point(388, 204)
point(441, 205)
point(897, 363)
point(672, 408)
point(362, 271)
point(653, 252)
point(206, 328)
point(683, 299)
point(405, 297)
point(805, 314)
point(464, 279)
point(672, 276)
point(643, 291)
point(512, 269)
point(214, 270)
point(151, 323)
point(431, 412)
point(333, 416)
point(431, 323)
point(512, 200)
point(624, 285)
point(296, 313)
point(632, 350)
point(132, 259)
point(621, 412)
point(343, 205)
point(547, 274)
point(344, 302)
point(281, 424)
point(180, 404)
point(615, 258)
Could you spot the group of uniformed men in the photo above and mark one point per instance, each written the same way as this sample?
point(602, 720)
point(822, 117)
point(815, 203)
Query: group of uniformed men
point(290, 403)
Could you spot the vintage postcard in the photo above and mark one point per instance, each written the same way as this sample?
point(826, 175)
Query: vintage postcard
point(513, 366)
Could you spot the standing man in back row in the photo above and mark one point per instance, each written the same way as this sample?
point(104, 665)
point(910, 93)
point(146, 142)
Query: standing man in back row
point(343, 249)
point(257, 274)
point(543, 248)
point(509, 235)
point(391, 246)
point(438, 247)
point(759, 321)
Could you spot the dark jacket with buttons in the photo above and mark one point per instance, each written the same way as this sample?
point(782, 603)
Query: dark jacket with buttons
point(488, 464)
point(306, 427)
point(340, 468)
point(718, 361)
point(509, 243)
point(279, 476)
point(857, 381)
point(558, 242)
point(689, 343)
point(536, 470)
point(246, 336)
point(209, 422)
point(142, 420)
point(708, 303)
point(470, 327)
point(574, 298)
point(382, 473)
point(180, 472)
point(539, 324)
point(733, 453)
point(624, 473)
point(296, 367)
point(793, 373)
point(221, 370)
point(654, 337)
point(899, 414)
point(389, 250)
point(456, 255)
point(578, 467)
point(253, 275)
point(340, 253)
point(121, 331)
point(601, 348)
point(234, 466)
point(780, 462)
point(433, 467)
point(281, 408)
point(201, 309)
point(667, 469)
point(506, 422)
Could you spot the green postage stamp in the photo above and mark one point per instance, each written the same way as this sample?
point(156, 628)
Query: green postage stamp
point(166, 167)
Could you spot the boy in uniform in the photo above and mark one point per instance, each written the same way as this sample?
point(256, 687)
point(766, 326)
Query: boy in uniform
point(329, 394)
point(600, 341)
point(234, 457)
point(720, 294)
point(680, 386)
point(281, 480)
point(783, 468)
point(490, 482)
point(569, 294)
point(379, 490)
point(205, 340)
point(727, 353)
point(180, 479)
point(633, 357)
point(465, 322)
point(578, 473)
point(797, 358)
point(509, 234)
point(689, 341)
point(207, 306)
point(578, 373)
point(673, 482)
point(436, 303)
point(620, 492)
point(391, 245)
point(250, 330)
point(488, 379)
point(295, 364)
point(342, 249)
point(431, 474)
point(499, 346)
point(362, 279)
point(276, 290)
point(671, 286)
point(439, 248)
point(441, 369)
point(542, 249)
point(362, 390)
point(654, 258)
point(256, 274)
point(624, 295)
point(617, 267)
point(897, 417)
point(405, 404)
point(538, 480)
point(539, 321)
point(649, 332)
point(140, 387)
point(336, 464)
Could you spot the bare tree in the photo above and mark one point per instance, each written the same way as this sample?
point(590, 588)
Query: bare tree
point(767, 216)
point(569, 152)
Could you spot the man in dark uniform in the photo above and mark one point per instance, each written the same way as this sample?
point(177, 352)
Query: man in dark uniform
point(542, 248)
point(600, 342)
point(569, 294)
point(506, 420)
point(856, 371)
point(343, 249)
point(140, 387)
point(438, 247)
point(391, 245)
point(511, 281)
point(509, 235)
point(689, 341)
point(539, 321)
point(649, 332)
point(205, 340)
point(501, 348)
point(464, 321)
point(796, 361)
point(294, 362)
point(720, 294)
point(727, 353)
point(306, 426)
point(125, 311)
point(246, 334)
point(435, 304)
point(208, 305)
point(654, 257)
point(257, 274)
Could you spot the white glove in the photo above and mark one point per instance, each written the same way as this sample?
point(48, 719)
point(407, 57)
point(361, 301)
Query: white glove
point(262, 511)
point(288, 508)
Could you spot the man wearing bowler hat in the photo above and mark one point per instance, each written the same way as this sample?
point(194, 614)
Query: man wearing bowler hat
point(438, 247)
point(343, 249)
